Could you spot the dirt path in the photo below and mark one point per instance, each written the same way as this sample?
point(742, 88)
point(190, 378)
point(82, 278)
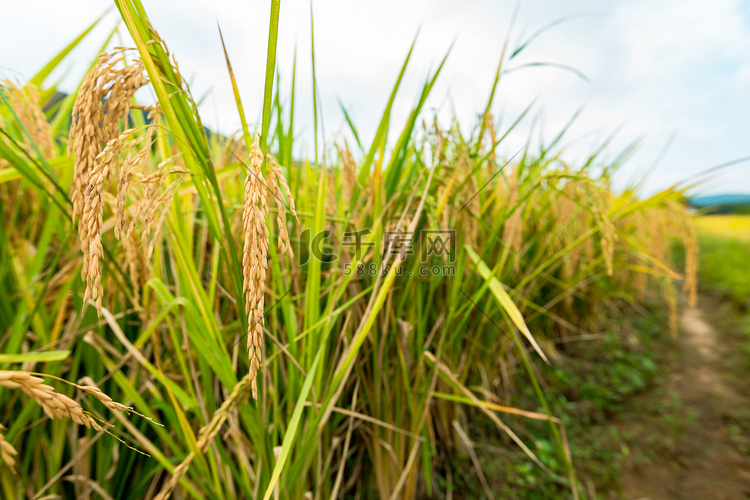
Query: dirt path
point(702, 462)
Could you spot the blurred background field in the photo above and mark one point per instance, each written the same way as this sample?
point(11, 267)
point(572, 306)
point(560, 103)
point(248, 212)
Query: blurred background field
point(730, 227)
point(725, 254)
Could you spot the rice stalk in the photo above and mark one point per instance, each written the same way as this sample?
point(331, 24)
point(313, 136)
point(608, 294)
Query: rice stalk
point(207, 434)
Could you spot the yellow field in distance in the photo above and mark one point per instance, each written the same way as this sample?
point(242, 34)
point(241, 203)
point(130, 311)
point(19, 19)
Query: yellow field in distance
point(724, 226)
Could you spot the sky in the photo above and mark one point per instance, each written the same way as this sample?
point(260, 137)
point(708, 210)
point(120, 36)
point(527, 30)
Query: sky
point(671, 74)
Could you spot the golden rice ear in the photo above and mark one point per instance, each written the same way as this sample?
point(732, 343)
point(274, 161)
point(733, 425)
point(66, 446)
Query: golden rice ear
point(154, 218)
point(670, 294)
point(254, 260)
point(598, 203)
point(138, 270)
point(57, 405)
point(685, 232)
point(349, 171)
point(102, 101)
point(26, 102)
point(690, 240)
point(54, 404)
point(89, 127)
point(281, 191)
point(124, 177)
point(87, 385)
point(91, 219)
point(7, 452)
point(125, 174)
point(513, 229)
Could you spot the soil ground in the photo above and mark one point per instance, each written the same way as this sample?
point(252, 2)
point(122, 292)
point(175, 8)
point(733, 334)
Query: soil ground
point(701, 453)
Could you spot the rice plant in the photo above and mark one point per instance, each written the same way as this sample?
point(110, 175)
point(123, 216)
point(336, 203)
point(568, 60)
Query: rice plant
point(300, 327)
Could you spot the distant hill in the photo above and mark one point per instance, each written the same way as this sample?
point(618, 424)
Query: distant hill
point(720, 199)
point(722, 203)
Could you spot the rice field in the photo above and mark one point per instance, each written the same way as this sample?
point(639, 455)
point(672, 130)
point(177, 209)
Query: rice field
point(190, 315)
point(731, 227)
point(725, 246)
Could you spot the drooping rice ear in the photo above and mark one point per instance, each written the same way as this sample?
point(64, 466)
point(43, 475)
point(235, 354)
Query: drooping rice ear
point(125, 177)
point(7, 452)
point(90, 129)
point(691, 265)
point(254, 260)
point(282, 193)
point(54, 404)
point(102, 101)
point(513, 229)
point(670, 295)
point(690, 241)
point(90, 231)
point(349, 171)
point(26, 102)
